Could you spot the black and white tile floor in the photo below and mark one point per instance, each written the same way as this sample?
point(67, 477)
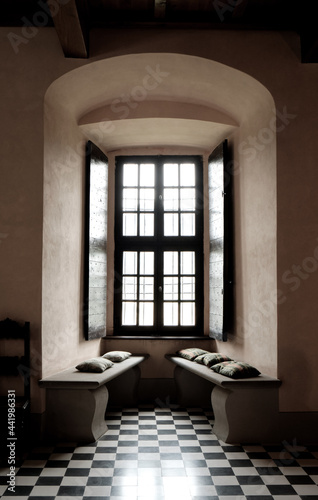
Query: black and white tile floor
point(169, 454)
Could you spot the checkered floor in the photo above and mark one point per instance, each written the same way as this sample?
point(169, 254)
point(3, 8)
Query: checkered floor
point(166, 453)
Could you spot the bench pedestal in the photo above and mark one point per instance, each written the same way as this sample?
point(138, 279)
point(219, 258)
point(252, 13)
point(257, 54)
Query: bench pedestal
point(245, 415)
point(245, 410)
point(76, 401)
point(76, 415)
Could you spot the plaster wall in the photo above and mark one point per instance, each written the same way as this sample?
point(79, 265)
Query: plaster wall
point(271, 58)
point(63, 341)
point(25, 75)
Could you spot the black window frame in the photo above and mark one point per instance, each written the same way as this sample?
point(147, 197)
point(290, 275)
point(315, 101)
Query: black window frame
point(159, 243)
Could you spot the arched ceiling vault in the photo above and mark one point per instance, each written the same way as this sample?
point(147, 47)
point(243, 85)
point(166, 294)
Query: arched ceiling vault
point(157, 100)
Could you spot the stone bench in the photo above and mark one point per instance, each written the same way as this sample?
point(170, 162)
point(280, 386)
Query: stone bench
point(245, 410)
point(76, 401)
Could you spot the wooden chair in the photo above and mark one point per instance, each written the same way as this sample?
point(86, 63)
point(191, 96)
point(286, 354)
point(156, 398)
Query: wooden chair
point(15, 394)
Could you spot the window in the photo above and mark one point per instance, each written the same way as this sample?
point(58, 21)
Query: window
point(158, 246)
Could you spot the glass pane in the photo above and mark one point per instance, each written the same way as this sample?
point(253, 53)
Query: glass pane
point(187, 174)
point(187, 314)
point(187, 225)
point(129, 288)
point(187, 263)
point(98, 226)
point(170, 288)
point(170, 313)
point(130, 174)
point(146, 263)
point(129, 313)
point(146, 225)
point(216, 174)
point(147, 200)
point(146, 313)
point(170, 199)
point(147, 174)
point(130, 263)
point(145, 288)
point(170, 263)
point(129, 224)
point(170, 174)
point(130, 200)
point(187, 288)
point(171, 225)
point(187, 199)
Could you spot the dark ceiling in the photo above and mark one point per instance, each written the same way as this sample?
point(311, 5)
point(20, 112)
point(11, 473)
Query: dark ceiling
point(73, 19)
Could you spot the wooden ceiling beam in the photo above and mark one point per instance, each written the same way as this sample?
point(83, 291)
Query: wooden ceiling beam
point(308, 32)
point(71, 24)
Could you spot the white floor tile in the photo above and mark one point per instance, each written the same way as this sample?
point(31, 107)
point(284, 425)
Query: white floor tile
point(306, 489)
point(275, 479)
point(95, 491)
point(255, 489)
point(44, 491)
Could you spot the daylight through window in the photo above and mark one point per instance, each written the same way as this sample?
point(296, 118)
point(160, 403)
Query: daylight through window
point(159, 246)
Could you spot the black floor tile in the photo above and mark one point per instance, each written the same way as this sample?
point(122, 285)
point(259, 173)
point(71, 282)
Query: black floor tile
point(221, 471)
point(259, 497)
point(103, 464)
point(249, 480)
point(229, 490)
point(281, 489)
point(77, 472)
point(300, 479)
point(269, 471)
point(71, 491)
point(99, 481)
point(28, 471)
point(49, 481)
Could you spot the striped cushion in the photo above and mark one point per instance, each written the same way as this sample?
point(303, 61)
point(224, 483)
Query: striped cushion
point(97, 365)
point(235, 369)
point(191, 353)
point(212, 358)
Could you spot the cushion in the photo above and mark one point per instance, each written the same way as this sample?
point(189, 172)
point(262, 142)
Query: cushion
point(235, 369)
point(212, 358)
point(199, 359)
point(117, 356)
point(191, 353)
point(97, 365)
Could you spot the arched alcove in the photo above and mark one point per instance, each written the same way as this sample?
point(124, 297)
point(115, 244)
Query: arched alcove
point(159, 101)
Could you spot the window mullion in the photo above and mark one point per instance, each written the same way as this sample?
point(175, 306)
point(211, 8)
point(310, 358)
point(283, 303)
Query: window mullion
point(158, 246)
point(138, 203)
point(137, 290)
point(179, 287)
point(179, 210)
point(159, 290)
